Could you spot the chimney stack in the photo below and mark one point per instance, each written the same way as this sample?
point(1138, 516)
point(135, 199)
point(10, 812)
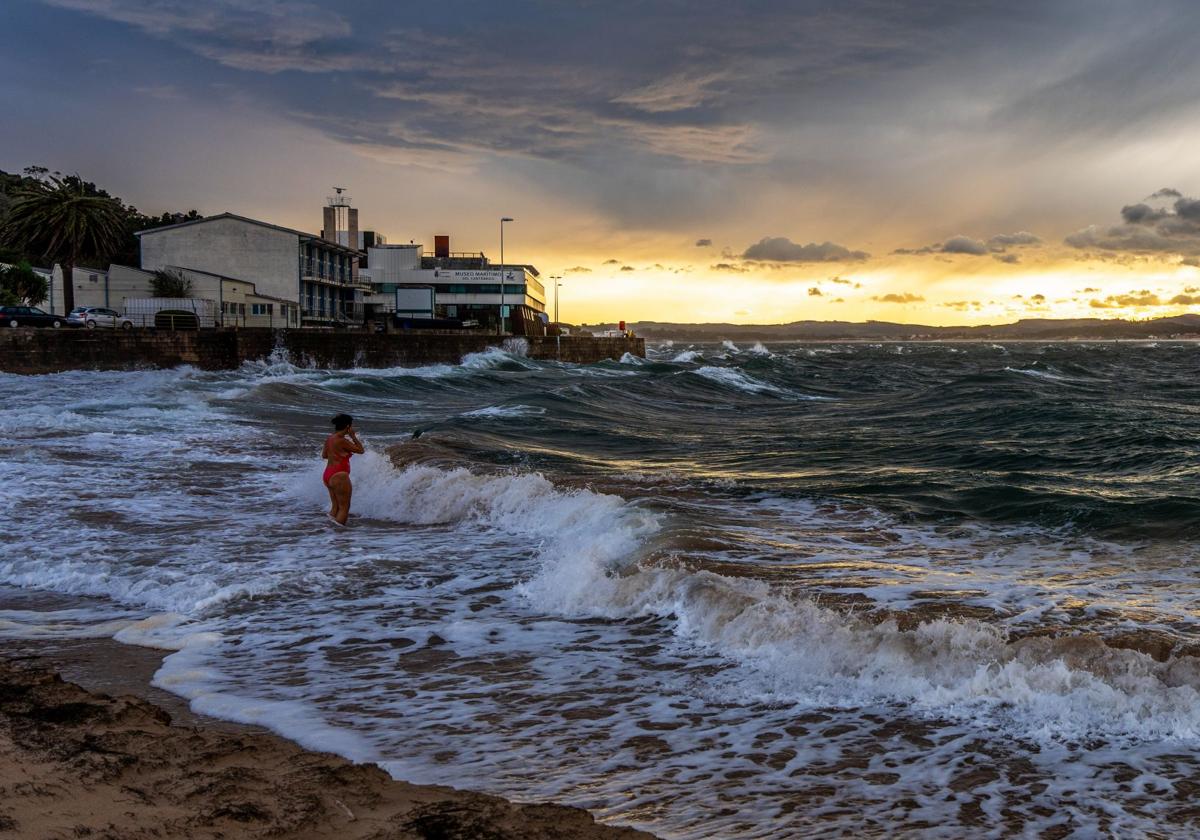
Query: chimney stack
point(441, 247)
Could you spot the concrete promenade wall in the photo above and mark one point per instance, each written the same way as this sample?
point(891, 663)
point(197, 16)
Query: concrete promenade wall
point(33, 351)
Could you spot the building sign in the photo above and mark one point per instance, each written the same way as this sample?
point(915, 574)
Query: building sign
point(454, 275)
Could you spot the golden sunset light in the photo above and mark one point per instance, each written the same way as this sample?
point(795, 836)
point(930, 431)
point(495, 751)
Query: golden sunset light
point(912, 168)
point(624, 420)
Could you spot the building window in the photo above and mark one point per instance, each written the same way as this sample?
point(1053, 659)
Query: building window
point(261, 308)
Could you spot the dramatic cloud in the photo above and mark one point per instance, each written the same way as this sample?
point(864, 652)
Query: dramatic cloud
point(963, 245)
point(813, 291)
point(928, 249)
point(1137, 299)
point(1007, 240)
point(960, 244)
point(270, 36)
point(782, 249)
point(904, 297)
point(445, 85)
point(1141, 214)
point(577, 269)
point(674, 93)
point(865, 123)
point(611, 262)
point(1186, 300)
point(1172, 228)
point(628, 268)
point(841, 281)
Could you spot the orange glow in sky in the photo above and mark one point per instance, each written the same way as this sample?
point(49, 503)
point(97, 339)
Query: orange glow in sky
point(958, 163)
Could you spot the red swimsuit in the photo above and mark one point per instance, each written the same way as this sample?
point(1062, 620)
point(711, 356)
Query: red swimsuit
point(338, 466)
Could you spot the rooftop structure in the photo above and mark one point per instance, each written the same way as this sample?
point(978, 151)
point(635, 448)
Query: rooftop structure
point(340, 220)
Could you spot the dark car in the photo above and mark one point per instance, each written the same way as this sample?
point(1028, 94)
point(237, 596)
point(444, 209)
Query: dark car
point(30, 316)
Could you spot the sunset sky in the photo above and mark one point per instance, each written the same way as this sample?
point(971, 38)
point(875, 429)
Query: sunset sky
point(937, 162)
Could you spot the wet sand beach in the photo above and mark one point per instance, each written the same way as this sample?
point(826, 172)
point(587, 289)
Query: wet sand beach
point(81, 763)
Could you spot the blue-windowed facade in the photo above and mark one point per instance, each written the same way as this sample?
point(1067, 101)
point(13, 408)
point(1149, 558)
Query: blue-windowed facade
point(330, 291)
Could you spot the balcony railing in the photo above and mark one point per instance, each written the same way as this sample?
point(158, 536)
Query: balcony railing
point(314, 271)
point(334, 312)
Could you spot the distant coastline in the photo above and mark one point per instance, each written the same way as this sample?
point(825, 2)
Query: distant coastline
point(1174, 328)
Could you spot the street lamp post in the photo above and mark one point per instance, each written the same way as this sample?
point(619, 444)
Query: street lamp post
point(500, 328)
point(557, 323)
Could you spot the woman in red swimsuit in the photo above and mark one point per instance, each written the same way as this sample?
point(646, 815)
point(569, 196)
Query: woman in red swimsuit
point(339, 446)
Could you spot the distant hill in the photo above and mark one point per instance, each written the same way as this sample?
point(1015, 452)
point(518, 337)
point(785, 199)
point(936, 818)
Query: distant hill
point(1177, 326)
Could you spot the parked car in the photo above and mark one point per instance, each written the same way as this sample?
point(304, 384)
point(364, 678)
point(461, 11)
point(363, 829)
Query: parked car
point(31, 316)
point(97, 316)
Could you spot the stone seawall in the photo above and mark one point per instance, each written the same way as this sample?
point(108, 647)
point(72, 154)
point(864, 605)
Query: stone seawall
point(32, 351)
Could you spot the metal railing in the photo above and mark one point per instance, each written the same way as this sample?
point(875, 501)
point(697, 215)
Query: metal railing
point(341, 313)
point(316, 271)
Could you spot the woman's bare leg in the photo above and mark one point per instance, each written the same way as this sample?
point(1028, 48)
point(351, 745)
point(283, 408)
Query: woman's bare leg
point(340, 489)
point(333, 503)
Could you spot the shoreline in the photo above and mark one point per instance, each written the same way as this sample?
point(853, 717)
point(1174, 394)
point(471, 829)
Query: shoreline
point(89, 748)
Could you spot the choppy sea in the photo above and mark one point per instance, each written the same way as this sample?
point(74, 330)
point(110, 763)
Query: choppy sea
point(927, 590)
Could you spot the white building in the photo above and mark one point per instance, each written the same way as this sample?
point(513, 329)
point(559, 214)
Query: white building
point(234, 302)
point(284, 267)
point(466, 285)
point(90, 284)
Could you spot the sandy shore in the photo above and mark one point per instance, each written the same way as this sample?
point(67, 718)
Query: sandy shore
point(77, 761)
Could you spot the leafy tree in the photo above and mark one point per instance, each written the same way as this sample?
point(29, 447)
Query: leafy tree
point(127, 251)
point(60, 219)
point(170, 284)
point(20, 284)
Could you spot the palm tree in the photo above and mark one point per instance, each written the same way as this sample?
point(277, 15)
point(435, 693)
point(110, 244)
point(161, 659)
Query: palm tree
point(60, 220)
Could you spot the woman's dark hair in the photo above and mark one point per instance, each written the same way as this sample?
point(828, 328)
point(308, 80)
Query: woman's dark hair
point(342, 421)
